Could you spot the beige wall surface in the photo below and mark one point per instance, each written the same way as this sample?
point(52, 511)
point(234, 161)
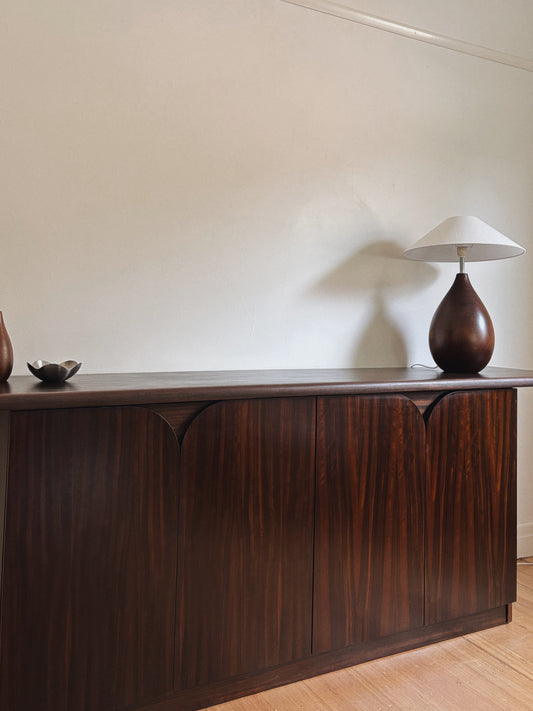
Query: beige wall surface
point(229, 184)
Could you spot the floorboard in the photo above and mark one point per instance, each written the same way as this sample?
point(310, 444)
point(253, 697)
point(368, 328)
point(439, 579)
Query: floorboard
point(490, 670)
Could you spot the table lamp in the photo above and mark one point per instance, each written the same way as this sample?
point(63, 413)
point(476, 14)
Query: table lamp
point(461, 335)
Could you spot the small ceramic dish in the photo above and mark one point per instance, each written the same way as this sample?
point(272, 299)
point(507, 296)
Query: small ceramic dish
point(54, 372)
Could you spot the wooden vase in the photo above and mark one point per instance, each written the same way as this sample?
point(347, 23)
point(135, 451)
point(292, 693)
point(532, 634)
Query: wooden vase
point(461, 335)
point(6, 352)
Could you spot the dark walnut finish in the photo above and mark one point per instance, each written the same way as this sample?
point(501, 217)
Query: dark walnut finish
point(470, 504)
point(26, 393)
point(176, 540)
point(246, 539)
point(369, 549)
point(461, 335)
point(88, 599)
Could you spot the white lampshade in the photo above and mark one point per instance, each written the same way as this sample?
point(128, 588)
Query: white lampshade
point(482, 241)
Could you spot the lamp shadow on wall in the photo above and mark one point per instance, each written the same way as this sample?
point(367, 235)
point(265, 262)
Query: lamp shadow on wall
point(378, 270)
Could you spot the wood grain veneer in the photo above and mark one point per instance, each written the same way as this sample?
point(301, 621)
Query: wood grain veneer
point(88, 605)
point(24, 392)
point(246, 539)
point(4, 453)
point(490, 669)
point(369, 545)
point(175, 540)
point(470, 504)
point(179, 415)
point(218, 692)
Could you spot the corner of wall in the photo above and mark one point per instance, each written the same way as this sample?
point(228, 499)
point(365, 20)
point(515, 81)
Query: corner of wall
point(525, 540)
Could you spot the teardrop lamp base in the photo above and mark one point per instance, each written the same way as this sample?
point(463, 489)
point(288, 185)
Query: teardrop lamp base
point(461, 335)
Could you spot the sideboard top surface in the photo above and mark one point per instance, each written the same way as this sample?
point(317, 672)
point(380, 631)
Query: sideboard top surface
point(23, 392)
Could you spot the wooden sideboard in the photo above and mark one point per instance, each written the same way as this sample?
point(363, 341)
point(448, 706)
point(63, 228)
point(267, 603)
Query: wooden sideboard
point(173, 540)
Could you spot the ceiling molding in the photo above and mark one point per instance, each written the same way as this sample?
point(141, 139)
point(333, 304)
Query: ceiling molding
point(380, 23)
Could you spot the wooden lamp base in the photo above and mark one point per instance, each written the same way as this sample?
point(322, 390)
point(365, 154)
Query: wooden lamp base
point(461, 335)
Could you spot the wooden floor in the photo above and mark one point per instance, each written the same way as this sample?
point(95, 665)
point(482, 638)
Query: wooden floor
point(485, 671)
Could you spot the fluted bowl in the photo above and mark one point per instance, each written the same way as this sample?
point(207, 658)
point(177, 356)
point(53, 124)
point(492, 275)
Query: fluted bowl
point(54, 372)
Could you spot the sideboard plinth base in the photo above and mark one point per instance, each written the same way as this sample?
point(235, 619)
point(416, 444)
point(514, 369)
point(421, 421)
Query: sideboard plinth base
point(238, 687)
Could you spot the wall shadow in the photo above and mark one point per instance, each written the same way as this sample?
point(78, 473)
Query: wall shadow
point(379, 270)
point(382, 343)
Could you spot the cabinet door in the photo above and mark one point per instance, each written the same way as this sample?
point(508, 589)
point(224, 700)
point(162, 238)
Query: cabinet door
point(471, 509)
point(246, 539)
point(90, 560)
point(369, 579)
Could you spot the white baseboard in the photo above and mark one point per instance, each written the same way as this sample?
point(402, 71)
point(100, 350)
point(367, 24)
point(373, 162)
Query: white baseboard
point(525, 540)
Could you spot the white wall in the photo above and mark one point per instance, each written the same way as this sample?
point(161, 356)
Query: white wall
point(229, 183)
